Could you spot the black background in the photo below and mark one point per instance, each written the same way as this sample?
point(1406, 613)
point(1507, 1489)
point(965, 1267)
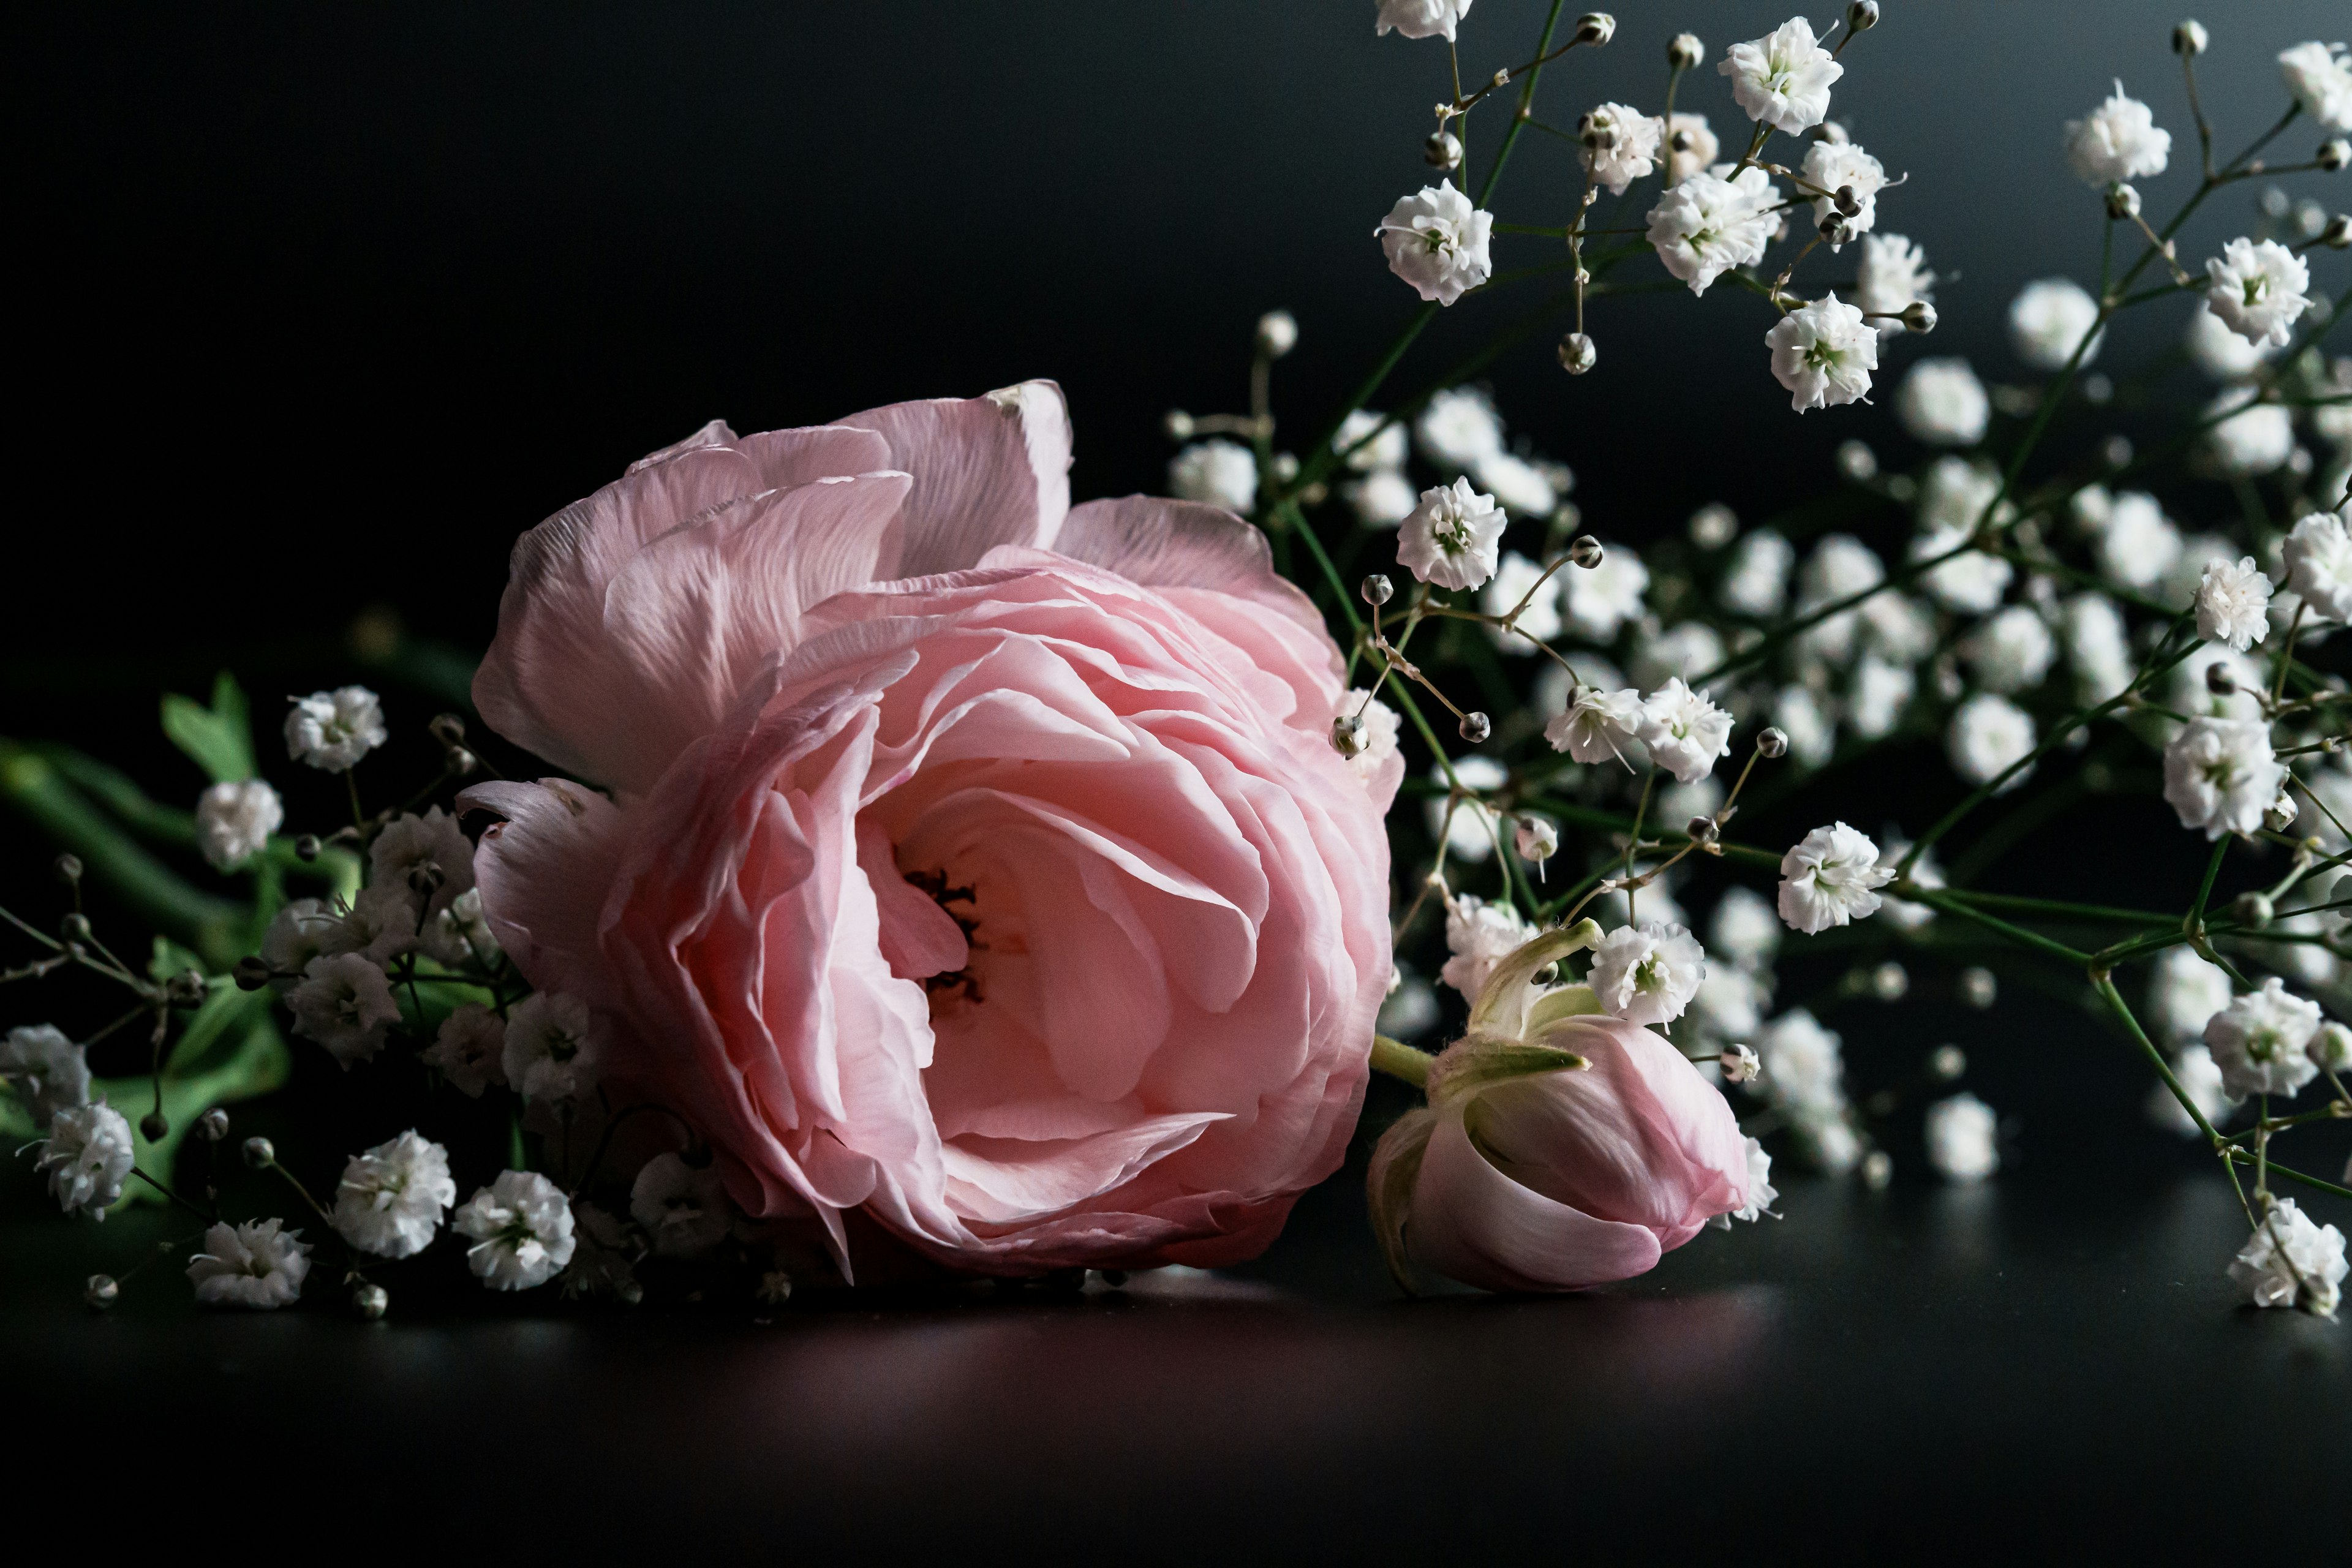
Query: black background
point(318, 307)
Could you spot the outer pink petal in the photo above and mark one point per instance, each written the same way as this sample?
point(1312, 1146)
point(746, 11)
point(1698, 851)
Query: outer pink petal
point(988, 471)
point(1470, 1222)
point(543, 872)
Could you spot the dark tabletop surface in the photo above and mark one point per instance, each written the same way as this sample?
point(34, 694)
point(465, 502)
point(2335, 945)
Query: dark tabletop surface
point(2035, 1365)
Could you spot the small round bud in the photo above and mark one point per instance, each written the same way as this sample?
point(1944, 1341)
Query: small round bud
point(2334, 155)
point(1577, 353)
point(305, 848)
point(370, 1300)
point(1348, 736)
point(1978, 989)
point(2282, 814)
point(1376, 589)
point(1596, 129)
point(1741, 1064)
point(260, 1153)
point(1861, 15)
point(1503, 77)
point(461, 761)
point(1948, 1062)
point(1683, 51)
point(2219, 681)
point(1476, 727)
point(1595, 28)
point(1584, 550)
point(213, 1125)
point(1772, 742)
point(2338, 235)
point(425, 879)
point(187, 989)
point(75, 927)
point(1877, 1169)
point(1833, 228)
point(1890, 982)
point(1443, 150)
point(252, 973)
point(1713, 526)
point(1701, 830)
point(2253, 910)
point(448, 729)
point(1286, 466)
point(1277, 334)
point(1830, 131)
point(1846, 202)
point(154, 1127)
point(2190, 39)
point(101, 1292)
point(69, 871)
point(1177, 425)
point(2123, 201)
point(1536, 840)
point(1919, 317)
point(2116, 452)
point(1858, 462)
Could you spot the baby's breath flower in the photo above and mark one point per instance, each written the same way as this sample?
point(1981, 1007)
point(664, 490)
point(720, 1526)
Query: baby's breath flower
point(87, 1157)
point(2220, 774)
point(521, 1229)
point(1420, 18)
point(391, 1199)
point(1783, 78)
point(1437, 241)
point(1684, 731)
point(345, 1004)
point(2233, 604)
point(2262, 1041)
point(549, 1054)
point(2318, 556)
point(1823, 354)
point(1708, 223)
point(1893, 277)
point(2291, 1262)
point(333, 730)
point(1831, 878)
point(1942, 402)
point(259, 1265)
point(46, 1070)
point(2259, 289)
point(2048, 318)
point(682, 1208)
point(1648, 973)
point(1988, 735)
point(1478, 936)
point(1961, 1139)
point(2117, 140)
point(1216, 473)
point(1451, 538)
point(1620, 145)
point(1838, 167)
point(235, 820)
point(2320, 77)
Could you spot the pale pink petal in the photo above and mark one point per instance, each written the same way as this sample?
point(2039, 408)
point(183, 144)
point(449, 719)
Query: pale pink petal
point(543, 872)
point(1470, 1222)
point(1008, 1181)
point(919, 937)
point(988, 471)
point(715, 433)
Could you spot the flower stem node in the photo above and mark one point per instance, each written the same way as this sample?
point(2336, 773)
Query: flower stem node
point(1277, 334)
point(68, 869)
point(1595, 28)
point(2190, 39)
point(260, 1153)
point(1349, 736)
point(1861, 15)
point(1476, 727)
point(1578, 355)
point(1443, 151)
point(370, 1300)
point(1772, 742)
point(101, 1292)
point(1376, 590)
point(2253, 910)
point(1684, 52)
point(1949, 1063)
point(154, 1127)
point(2334, 155)
point(213, 1125)
point(2123, 201)
point(1919, 317)
point(1585, 552)
point(1741, 1064)
point(252, 973)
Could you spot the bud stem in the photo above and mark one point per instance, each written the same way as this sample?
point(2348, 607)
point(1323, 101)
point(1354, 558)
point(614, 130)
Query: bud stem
point(1400, 1060)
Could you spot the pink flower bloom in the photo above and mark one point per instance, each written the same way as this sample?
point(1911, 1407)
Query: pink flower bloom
point(1559, 1180)
point(975, 862)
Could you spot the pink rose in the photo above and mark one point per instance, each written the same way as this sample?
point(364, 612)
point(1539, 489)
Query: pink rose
point(973, 861)
point(1521, 1178)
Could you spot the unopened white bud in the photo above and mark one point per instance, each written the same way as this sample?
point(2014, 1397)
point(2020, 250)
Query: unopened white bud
point(2189, 38)
point(260, 1153)
point(1978, 989)
point(1277, 334)
point(1861, 15)
point(1578, 355)
point(1584, 550)
point(370, 1300)
point(1349, 736)
point(2252, 910)
point(1830, 131)
point(1536, 840)
point(2334, 155)
point(2338, 235)
point(1948, 1062)
point(101, 1292)
point(1856, 461)
point(1376, 589)
point(1890, 982)
point(1177, 425)
point(1772, 742)
point(1833, 228)
point(1713, 526)
point(2219, 681)
point(1877, 1169)
point(1286, 466)
point(1503, 77)
point(1741, 1064)
point(1701, 829)
point(2281, 815)
point(1684, 52)
point(1476, 727)
point(2123, 201)
point(1919, 317)
point(1443, 150)
point(1595, 28)
point(1847, 201)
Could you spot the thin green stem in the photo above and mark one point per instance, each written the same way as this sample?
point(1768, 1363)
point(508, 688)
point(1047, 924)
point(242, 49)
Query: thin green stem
point(1400, 1060)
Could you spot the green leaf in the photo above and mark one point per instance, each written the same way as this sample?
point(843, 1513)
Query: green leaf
point(218, 738)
